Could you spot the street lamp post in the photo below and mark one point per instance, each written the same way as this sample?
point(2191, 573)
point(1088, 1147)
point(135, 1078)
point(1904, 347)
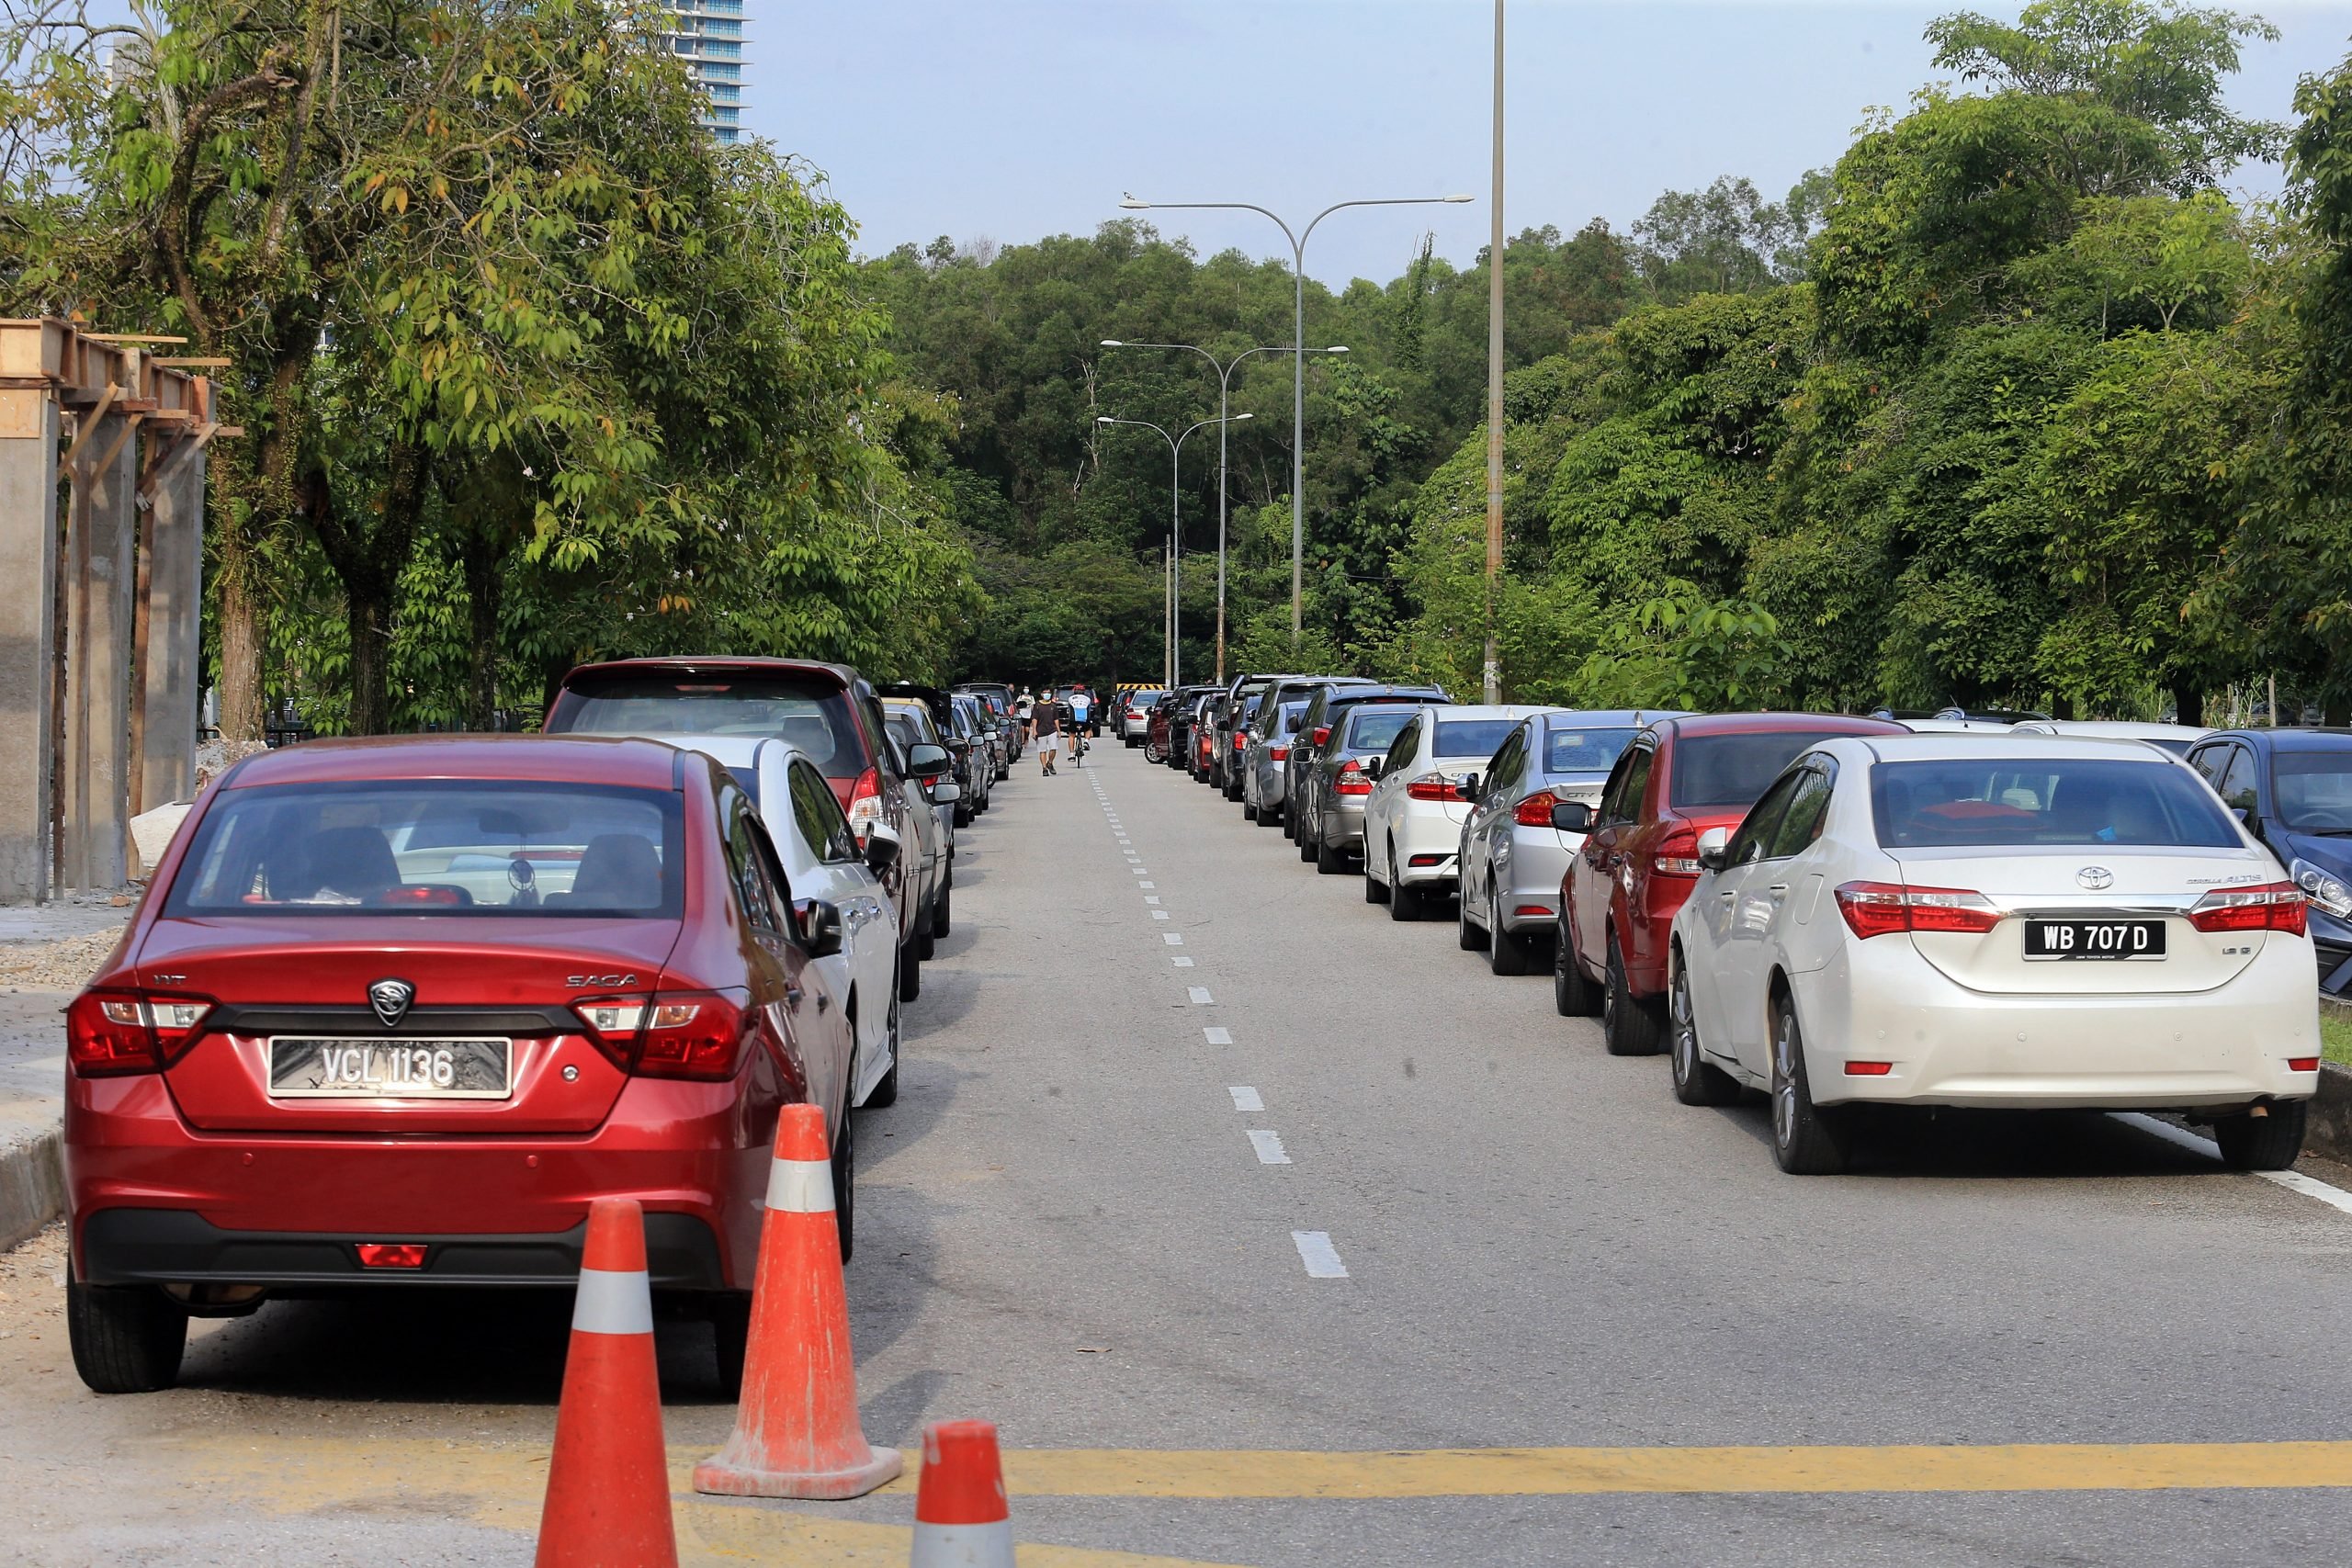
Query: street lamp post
point(1175, 536)
point(1224, 392)
point(1298, 372)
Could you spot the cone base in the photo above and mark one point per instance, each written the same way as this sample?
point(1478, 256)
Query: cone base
point(720, 1478)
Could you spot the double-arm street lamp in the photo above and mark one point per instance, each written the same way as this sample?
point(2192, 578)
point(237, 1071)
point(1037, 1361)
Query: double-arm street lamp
point(1224, 393)
point(1298, 375)
point(1172, 625)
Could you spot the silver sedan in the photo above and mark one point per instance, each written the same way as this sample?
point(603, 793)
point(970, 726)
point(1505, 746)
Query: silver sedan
point(1266, 760)
point(1512, 859)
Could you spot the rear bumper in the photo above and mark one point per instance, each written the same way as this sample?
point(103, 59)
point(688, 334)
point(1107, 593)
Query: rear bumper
point(1531, 864)
point(170, 1246)
point(1430, 832)
point(1341, 821)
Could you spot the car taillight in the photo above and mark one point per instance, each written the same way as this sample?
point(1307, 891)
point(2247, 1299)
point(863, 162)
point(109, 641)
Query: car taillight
point(670, 1034)
point(111, 1032)
point(1351, 780)
point(1678, 854)
point(1322, 733)
point(866, 803)
point(1241, 743)
point(1535, 811)
point(1278, 753)
point(391, 1254)
point(1877, 908)
point(2272, 907)
point(1431, 786)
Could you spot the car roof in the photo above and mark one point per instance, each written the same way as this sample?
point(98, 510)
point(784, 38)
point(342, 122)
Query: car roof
point(734, 750)
point(2117, 729)
point(1490, 710)
point(625, 759)
point(1778, 722)
point(712, 664)
point(2314, 737)
point(1632, 718)
point(2003, 748)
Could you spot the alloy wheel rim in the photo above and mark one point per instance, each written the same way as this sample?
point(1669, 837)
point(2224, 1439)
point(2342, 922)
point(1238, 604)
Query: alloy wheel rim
point(1784, 1083)
point(1686, 1031)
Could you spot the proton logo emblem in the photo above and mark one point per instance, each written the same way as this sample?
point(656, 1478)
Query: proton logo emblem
point(2097, 878)
point(390, 1000)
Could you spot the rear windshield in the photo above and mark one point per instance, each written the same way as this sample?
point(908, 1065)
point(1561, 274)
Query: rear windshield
point(1584, 750)
point(434, 847)
point(1376, 729)
point(1732, 770)
point(2315, 790)
point(814, 716)
point(1473, 737)
point(2089, 801)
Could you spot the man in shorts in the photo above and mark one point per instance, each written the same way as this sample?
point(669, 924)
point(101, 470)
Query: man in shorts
point(1045, 716)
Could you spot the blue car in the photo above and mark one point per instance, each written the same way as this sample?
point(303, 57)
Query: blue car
point(2293, 787)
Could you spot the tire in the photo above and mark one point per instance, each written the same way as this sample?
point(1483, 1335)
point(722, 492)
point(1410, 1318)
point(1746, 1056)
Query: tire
point(730, 1332)
point(1466, 936)
point(910, 973)
point(1375, 890)
point(1152, 753)
point(1232, 785)
point(1629, 1027)
point(1697, 1082)
point(2263, 1142)
point(1270, 816)
point(1572, 993)
point(1248, 812)
point(963, 816)
point(1307, 844)
point(126, 1339)
point(886, 1091)
point(845, 1181)
point(1406, 902)
point(1506, 954)
point(942, 911)
point(1806, 1139)
point(1330, 858)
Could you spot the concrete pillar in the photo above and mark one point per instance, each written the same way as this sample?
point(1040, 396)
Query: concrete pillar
point(27, 637)
point(171, 543)
point(95, 834)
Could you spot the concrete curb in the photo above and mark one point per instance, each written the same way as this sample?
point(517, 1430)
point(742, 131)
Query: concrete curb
point(2329, 1136)
point(32, 1180)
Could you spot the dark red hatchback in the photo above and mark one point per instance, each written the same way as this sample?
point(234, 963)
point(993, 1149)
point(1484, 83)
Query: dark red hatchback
point(393, 1012)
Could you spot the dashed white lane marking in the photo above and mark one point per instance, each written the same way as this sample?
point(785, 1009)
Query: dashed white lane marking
point(1269, 1146)
point(1173, 939)
point(1322, 1259)
point(1182, 963)
point(1153, 901)
point(1137, 869)
point(1200, 996)
point(2293, 1180)
point(1146, 884)
point(1160, 915)
point(1218, 1036)
point(1245, 1098)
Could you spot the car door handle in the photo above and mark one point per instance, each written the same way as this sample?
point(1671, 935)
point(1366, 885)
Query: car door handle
point(1778, 890)
point(824, 1001)
point(792, 994)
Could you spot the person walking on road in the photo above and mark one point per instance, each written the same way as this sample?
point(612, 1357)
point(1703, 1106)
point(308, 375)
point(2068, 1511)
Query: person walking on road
point(1021, 713)
point(1046, 717)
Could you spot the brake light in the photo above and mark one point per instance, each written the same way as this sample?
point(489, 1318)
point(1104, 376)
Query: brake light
point(1431, 786)
point(1322, 733)
point(108, 1033)
point(390, 1254)
point(2302, 1064)
point(1869, 1070)
point(672, 1034)
point(2272, 907)
point(1278, 753)
point(1241, 743)
point(1535, 811)
point(437, 897)
point(1877, 908)
point(866, 803)
point(1678, 855)
point(1351, 780)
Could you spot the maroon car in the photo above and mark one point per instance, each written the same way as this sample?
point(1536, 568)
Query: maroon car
point(1640, 857)
point(393, 1012)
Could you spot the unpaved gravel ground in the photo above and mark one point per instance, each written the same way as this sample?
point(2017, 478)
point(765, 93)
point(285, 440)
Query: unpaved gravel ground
point(66, 965)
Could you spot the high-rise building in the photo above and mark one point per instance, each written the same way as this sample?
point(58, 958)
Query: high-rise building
point(709, 36)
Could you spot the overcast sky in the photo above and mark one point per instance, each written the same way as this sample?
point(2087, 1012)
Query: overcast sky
point(1012, 119)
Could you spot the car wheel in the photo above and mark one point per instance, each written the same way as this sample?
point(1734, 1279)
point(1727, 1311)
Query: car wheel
point(2269, 1142)
point(1806, 1139)
point(963, 816)
point(845, 1179)
point(942, 912)
point(1468, 935)
point(886, 1090)
point(1506, 954)
point(1307, 834)
point(126, 1339)
point(1248, 812)
point(1330, 858)
point(1270, 816)
point(910, 973)
point(1697, 1082)
point(1572, 993)
point(1375, 890)
point(1629, 1027)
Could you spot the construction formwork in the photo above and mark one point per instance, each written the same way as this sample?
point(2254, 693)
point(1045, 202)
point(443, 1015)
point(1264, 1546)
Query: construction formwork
point(102, 443)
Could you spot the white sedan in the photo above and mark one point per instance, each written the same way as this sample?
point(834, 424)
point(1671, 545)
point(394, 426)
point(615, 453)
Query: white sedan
point(823, 861)
point(1412, 820)
point(2027, 923)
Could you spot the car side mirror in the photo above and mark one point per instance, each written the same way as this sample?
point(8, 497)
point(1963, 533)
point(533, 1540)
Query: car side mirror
point(1714, 845)
point(925, 761)
point(946, 792)
point(2246, 816)
point(882, 847)
point(820, 927)
point(1372, 766)
point(1572, 817)
point(1468, 788)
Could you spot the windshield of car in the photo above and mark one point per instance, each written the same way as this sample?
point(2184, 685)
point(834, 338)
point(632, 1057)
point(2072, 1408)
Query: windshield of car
point(1732, 770)
point(1473, 737)
point(2314, 790)
point(433, 847)
point(1585, 751)
point(1987, 801)
point(814, 716)
point(1375, 730)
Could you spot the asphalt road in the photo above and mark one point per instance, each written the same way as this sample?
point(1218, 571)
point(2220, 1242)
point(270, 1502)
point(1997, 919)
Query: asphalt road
point(1578, 1323)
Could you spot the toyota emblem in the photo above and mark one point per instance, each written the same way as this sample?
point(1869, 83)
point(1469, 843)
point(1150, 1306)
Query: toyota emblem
point(2097, 878)
point(390, 1000)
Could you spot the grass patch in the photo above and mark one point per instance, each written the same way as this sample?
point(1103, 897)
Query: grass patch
point(2336, 1036)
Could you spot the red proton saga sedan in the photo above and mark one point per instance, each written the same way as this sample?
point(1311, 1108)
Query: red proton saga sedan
point(393, 1012)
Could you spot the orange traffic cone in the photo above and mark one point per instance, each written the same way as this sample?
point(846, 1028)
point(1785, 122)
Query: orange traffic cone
point(797, 1433)
point(608, 1482)
point(961, 1519)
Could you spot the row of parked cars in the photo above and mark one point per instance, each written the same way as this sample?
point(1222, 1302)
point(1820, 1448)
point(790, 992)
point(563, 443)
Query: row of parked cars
point(392, 1012)
point(1853, 915)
